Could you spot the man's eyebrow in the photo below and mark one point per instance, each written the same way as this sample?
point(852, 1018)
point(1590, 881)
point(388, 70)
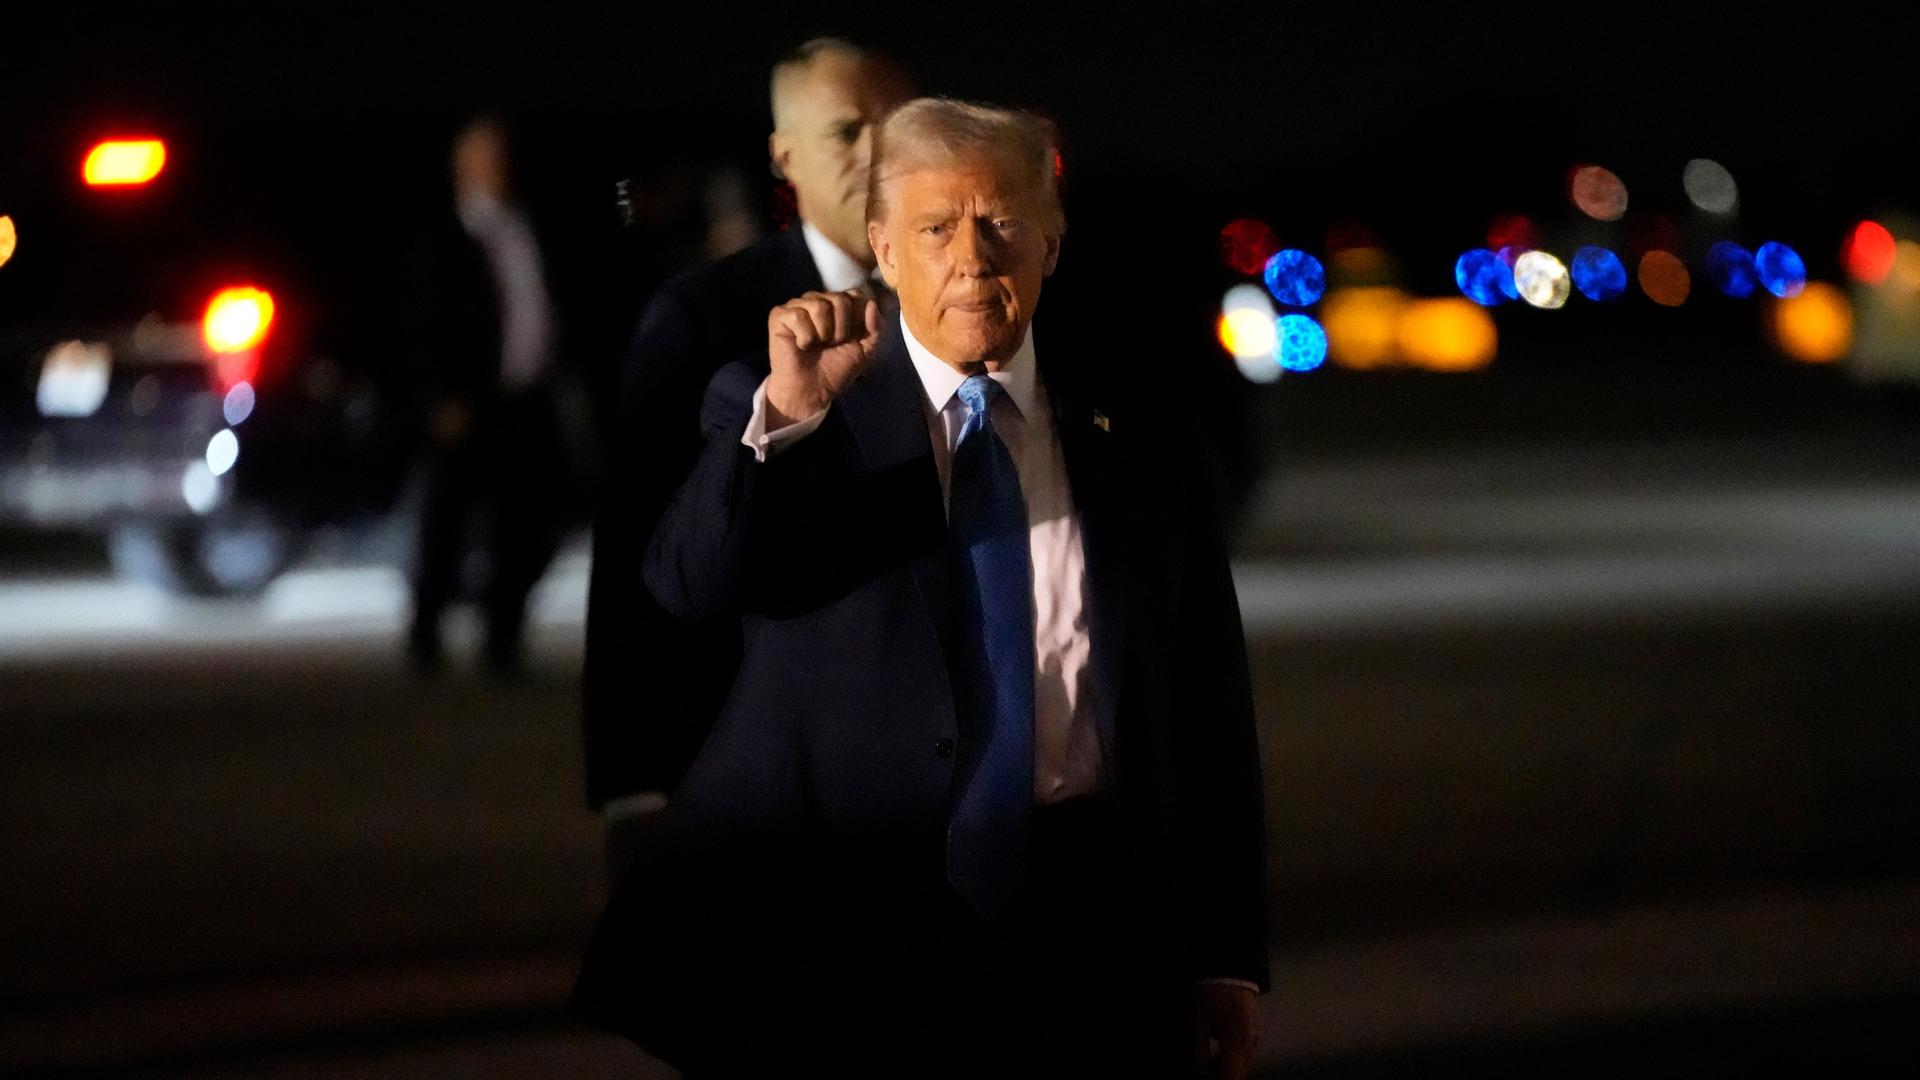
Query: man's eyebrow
point(999, 210)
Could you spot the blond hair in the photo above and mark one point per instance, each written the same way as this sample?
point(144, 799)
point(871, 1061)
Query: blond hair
point(933, 131)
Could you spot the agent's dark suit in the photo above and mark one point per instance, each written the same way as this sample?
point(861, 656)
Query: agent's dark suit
point(653, 681)
point(791, 914)
point(511, 458)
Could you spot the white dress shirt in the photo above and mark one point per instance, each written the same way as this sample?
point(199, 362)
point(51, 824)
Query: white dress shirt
point(1066, 740)
point(838, 270)
point(520, 281)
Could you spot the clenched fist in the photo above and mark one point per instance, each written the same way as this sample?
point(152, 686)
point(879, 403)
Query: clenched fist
point(818, 344)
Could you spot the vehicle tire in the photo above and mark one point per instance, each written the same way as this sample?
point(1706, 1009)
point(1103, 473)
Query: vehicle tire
point(229, 554)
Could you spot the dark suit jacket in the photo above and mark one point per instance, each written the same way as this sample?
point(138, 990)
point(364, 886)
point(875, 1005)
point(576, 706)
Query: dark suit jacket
point(802, 858)
point(654, 682)
point(455, 343)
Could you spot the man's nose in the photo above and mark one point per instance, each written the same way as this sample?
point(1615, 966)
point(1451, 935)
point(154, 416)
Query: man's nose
point(863, 147)
point(972, 255)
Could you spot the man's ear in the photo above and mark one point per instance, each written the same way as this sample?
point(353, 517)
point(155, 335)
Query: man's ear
point(777, 153)
point(1053, 254)
point(883, 253)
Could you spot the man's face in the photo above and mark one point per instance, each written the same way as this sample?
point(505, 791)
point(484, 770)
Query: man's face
point(480, 163)
point(966, 246)
point(825, 142)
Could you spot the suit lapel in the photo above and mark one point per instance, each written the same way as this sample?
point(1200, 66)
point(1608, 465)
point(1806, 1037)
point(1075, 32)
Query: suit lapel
point(886, 412)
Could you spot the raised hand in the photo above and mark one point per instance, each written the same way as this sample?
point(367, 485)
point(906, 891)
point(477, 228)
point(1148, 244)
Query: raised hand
point(818, 345)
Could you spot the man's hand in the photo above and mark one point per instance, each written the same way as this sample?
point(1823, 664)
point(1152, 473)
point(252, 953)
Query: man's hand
point(1226, 1028)
point(817, 345)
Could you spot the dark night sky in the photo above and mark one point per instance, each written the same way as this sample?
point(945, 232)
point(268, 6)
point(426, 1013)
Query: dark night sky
point(1423, 122)
point(1223, 87)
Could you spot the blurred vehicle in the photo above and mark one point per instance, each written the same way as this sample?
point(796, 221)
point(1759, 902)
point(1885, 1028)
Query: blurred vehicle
point(169, 376)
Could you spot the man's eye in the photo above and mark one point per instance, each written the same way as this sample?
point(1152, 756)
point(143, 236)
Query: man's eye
point(934, 230)
point(1003, 224)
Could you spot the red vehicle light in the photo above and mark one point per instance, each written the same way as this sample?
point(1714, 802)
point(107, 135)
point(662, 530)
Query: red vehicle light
point(124, 162)
point(238, 319)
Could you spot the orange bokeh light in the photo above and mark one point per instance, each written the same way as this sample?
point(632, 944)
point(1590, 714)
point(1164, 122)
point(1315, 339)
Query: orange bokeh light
point(1664, 278)
point(1363, 325)
point(124, 162)
point(1868, 253)
point(1815, 327)
point(8, 238)
point(1448, 334)
point(237, 319)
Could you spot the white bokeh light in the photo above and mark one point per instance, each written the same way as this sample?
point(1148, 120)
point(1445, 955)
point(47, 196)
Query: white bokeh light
point(1258, 369)
point(1542, 280)
point(222, 451)
point(200, 488)
point(74, 379)
point(1710, 186)
point(1247, 298)
point(238, 404)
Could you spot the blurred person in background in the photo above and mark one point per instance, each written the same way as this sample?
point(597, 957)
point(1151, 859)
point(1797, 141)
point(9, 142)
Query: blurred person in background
point(653, 682)
point(491, 339)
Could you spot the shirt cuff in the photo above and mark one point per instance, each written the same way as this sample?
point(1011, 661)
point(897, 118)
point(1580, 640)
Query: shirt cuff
point(766, 444)
point(1244, 984)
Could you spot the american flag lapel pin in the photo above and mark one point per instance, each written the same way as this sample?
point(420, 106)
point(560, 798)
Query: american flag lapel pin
point(1100, 421)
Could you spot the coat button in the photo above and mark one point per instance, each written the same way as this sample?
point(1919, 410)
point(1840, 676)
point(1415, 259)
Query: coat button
point(943, 747)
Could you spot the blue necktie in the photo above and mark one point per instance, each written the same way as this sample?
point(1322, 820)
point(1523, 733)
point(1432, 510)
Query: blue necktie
point(987, 831)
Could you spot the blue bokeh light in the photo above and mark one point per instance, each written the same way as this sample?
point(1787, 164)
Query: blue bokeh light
point(1781, 269)
point(1296, 278)
point(1484, 278)
point(1303, 344)
point(1732, 270)
point(1599, 274)
point(1508, 256)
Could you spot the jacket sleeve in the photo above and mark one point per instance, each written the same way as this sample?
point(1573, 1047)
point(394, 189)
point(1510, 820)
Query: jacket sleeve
point(744, 535)
point(1223, 813)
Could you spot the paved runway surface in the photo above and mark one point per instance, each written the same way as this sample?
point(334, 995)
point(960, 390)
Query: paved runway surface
point(1579, 757)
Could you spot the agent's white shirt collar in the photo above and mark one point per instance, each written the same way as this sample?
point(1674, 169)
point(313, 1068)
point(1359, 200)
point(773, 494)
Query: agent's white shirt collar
point(838, 270)
point(1018, 377)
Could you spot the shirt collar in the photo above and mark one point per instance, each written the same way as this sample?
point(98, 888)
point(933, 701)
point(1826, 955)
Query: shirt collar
point(838, 270)
point(942, 381)
point(480, 214)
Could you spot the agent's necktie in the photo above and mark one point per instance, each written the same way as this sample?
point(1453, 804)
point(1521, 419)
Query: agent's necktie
point(987, 830)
